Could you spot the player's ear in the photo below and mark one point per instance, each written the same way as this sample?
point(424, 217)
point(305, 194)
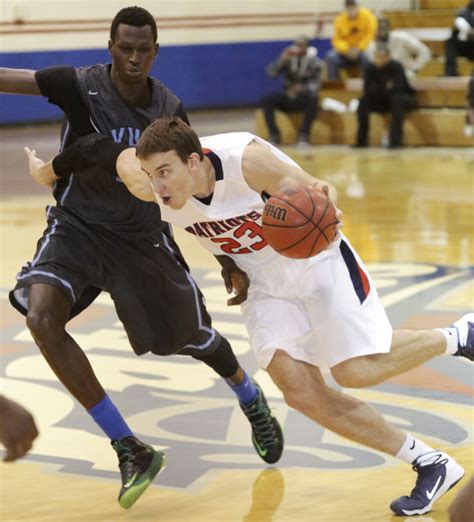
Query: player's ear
point(193, 160)
point(109, 46)
point(157, 49)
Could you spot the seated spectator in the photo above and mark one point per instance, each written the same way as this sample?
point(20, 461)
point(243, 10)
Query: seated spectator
point(461, 42)
point(469, 128)
point(403, 46)
point(354, 29)
point(301, 70)
point(386, 90)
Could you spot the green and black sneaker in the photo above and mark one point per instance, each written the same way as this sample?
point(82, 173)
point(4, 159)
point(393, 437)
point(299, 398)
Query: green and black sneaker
point(267, 435)
point(139, 464)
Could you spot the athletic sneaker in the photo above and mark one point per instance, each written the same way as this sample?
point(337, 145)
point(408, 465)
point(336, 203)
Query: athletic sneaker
point(139, 464)
point(465, 329)
point(437, 473)
point(267, 435)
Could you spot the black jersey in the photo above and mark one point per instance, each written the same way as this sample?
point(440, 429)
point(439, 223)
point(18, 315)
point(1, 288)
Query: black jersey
point(91, 103)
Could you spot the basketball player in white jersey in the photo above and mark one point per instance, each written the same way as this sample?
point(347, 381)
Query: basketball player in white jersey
point(301, 315)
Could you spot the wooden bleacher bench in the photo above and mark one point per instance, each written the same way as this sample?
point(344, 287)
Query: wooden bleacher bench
point(422, 18)
point(442, 4)
point(428, 127)
point(435, 67)
point(431, 92)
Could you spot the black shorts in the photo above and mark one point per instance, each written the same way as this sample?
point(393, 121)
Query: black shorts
point(155, 297)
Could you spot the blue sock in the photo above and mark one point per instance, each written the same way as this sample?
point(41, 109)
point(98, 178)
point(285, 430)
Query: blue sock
point(106, 415)
point(246, 391)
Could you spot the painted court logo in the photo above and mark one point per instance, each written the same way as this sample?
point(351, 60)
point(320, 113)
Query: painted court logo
point(183, 408)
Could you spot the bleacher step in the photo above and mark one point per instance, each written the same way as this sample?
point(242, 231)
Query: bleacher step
point(427, 127)
point(430, 18)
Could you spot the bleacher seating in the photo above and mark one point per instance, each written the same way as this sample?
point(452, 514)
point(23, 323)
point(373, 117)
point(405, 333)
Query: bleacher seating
point(441, 117)
point(429, 127)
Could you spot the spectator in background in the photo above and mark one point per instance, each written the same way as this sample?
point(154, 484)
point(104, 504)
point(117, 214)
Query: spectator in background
point(469, 128)
point(17, 429)
point(403, 46)
point(386, 90)
point(461, 42)
point(354, 29)
point(301, 70)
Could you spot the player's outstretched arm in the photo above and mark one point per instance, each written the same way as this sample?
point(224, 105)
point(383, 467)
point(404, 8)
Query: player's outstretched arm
point(264, 172)
point(40, 171)
point(97, 150)
point(135, 179)
point(18, 81)
point(17, 429)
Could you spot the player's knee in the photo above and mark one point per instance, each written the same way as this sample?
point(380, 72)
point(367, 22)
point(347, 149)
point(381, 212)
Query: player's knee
point(299, 396)
point(44, 325)
point(311, 400)
point(348, 375)
point(292, 398)
point(221, 359)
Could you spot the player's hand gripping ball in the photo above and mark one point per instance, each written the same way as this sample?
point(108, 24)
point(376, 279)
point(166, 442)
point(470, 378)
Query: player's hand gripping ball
point(299, 222)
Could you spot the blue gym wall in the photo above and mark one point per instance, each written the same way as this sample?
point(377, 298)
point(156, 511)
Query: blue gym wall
point(203, 76)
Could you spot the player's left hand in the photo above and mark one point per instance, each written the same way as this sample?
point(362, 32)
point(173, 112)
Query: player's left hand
point(339, 225)
point(235, 280)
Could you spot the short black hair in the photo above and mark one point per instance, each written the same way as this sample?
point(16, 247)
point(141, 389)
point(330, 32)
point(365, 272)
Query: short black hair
point(136, 16)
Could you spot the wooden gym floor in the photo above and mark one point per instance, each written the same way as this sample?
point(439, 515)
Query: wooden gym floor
point(409, 213)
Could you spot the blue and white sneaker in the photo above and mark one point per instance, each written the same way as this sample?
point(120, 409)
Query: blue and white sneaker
point(437, 473)
point(465, 329)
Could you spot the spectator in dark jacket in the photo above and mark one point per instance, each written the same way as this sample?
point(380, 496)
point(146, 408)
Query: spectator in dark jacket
point(301, 70)
point(461, 42)
point(469, 128)
point(386, 90)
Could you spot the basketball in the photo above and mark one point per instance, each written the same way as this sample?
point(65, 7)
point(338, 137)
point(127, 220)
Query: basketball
point(299, 222)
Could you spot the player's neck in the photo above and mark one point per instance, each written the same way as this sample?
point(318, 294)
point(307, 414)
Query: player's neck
point(136, 95)
point(205, 180)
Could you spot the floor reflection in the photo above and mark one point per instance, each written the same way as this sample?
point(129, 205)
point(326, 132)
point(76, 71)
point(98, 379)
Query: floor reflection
point(267, 493)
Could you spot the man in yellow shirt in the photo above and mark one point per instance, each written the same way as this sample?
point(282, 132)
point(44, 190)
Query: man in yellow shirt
point(354, 29)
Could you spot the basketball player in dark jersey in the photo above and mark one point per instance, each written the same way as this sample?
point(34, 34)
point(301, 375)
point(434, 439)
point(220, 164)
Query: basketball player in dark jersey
point(100, 237)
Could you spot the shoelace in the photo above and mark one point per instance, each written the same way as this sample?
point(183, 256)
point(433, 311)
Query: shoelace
point(126, 461)
point(420, 469)
point(263, 426)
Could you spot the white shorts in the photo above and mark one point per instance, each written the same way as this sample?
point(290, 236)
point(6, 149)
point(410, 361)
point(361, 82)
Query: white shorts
point(322, 310)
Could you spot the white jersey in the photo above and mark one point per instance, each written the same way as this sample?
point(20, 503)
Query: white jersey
point(231, 224)
point(321, 310)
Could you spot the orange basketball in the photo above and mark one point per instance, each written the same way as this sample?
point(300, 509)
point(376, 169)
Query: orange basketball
point(299, 222)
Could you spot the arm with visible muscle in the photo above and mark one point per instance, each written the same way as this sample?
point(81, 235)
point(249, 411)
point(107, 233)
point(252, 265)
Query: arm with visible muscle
point(93, 150)
point(264, 172)
point(18, 81)
point(131, 173)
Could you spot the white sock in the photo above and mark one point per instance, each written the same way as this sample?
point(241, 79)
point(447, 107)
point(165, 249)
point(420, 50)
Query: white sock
point(412, 449)
point(452, 338)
